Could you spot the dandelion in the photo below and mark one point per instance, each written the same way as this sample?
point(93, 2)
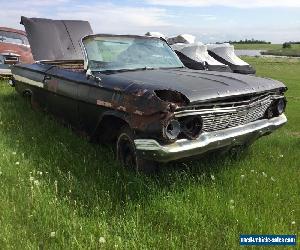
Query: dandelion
point(280, 156)
point(52, 234)
point(17, 163)
point(102, 240)
point(14, 153)
point(242, 176)
point(212, 177)
point(293, 222)
point(252, 170)
point(264, 174)
point(272, 179)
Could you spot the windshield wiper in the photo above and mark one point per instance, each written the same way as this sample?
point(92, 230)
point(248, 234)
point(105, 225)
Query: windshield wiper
point(182, 67)
point(110, 71)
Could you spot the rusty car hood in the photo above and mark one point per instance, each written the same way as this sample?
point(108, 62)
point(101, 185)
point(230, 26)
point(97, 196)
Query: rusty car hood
point(199, 85)
point(55, 39)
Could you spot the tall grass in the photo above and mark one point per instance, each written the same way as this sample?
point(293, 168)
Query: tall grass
point(60, 191)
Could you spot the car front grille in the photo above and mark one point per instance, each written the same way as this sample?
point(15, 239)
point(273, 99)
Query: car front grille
point(227, 115)
point(11, 59)
point(218, 121)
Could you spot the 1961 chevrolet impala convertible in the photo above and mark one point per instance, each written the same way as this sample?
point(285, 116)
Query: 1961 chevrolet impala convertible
point(134, 91)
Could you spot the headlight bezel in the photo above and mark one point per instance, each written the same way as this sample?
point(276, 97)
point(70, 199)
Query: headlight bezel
point(273, 110)
point(191, 126)
point(186, 127)
point(172, 129)
point(280, 106)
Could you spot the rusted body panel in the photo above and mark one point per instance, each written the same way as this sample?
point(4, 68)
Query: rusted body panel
point(84, 103)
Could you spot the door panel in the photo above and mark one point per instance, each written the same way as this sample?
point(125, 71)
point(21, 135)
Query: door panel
point(62, 99)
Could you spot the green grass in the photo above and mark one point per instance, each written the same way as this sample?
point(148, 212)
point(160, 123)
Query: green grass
point(59, 191)
point(271, 49)
point(294, 51)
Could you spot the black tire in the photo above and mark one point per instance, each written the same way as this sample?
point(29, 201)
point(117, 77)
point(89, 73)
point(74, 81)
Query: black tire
point(127, 155)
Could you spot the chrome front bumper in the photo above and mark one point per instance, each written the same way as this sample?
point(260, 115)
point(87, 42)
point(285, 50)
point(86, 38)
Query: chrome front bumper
point(151, 149)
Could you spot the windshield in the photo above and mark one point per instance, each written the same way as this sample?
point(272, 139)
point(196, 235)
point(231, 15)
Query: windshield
point(113, 53)
point(11, 37)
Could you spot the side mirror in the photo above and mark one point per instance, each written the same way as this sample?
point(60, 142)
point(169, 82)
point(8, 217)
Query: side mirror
point(88, 74)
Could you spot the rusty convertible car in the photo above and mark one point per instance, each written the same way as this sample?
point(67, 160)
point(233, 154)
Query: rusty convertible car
point(14, 48)
point(134, 91)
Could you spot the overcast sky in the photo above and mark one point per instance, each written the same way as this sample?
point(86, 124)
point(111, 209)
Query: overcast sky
point(210, 20)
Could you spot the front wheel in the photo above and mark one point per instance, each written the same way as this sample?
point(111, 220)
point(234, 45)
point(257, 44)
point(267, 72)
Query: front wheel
point(127, 154)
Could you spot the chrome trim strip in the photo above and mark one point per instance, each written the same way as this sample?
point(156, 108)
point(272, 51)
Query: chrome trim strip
point(5, 72)
point(28, 81)
point(199, 111)
point(151, 149)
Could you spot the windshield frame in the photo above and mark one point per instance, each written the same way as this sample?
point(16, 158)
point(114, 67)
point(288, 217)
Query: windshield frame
point(86, 59)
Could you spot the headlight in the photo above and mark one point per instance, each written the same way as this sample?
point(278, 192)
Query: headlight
point(276, 108)
point(280, 106)
point(191, 126)
point(172, 129)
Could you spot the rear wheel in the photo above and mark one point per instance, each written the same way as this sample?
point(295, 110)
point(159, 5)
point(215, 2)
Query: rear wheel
point(127, 154)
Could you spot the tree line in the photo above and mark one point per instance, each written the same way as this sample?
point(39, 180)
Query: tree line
point(250, 41)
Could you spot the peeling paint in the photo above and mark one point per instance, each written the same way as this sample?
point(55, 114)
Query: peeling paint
point(103, 103)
